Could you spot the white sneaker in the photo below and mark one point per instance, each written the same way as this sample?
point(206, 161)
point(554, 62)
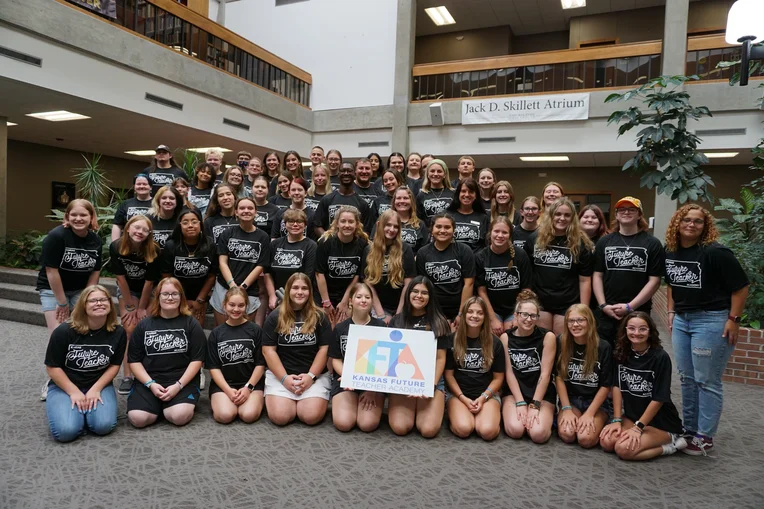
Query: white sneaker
point(677, 444)
point(44, 391)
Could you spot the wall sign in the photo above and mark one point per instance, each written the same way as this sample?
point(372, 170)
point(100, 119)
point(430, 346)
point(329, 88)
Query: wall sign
point(539, 108)
point(106, 8)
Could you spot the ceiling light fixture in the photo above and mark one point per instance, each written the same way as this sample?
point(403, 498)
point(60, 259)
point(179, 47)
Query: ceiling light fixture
point(544, 159)
point(141, 152)
point(440, 15)
point(9, 124)
point(720, 155)
point(573, 4)
point(201, 150)
point(57, 116)
point(742, 28)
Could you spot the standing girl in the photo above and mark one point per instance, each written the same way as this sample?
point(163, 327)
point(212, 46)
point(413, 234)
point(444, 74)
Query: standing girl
point(391, 180)
point(281, 197)
point(320, 186)
point(503, 202)
point(487, 182)
point(272, 165)
point(550, 194)
point(254, 169)
point(530, 210)
point(290, 254)
point(140, 204)
point(297, 192)
point(593, 223)
point(266, 211)
point(469, 215)
point(220, 214)
point(234, 176)
point(414, 232)
point(165, 209)
point(436, 193)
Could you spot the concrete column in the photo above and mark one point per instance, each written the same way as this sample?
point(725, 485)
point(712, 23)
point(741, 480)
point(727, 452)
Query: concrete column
point(405, 36)
point(221, 12)
point(3, 178)
point(674, 62)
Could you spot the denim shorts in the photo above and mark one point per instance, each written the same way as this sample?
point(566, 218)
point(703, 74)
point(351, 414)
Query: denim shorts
point(583, 404)
point(49, 302)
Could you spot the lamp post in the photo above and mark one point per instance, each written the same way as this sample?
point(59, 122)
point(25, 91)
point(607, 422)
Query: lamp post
point(745, 25)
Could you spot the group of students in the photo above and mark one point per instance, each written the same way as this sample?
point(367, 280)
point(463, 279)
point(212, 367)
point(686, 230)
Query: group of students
point(540, 313)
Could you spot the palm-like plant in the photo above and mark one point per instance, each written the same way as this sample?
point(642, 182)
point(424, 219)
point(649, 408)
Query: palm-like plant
point(189, 159)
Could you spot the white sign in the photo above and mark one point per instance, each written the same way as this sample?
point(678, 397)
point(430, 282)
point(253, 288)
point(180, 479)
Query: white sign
point(539, 108)
point(396, 361)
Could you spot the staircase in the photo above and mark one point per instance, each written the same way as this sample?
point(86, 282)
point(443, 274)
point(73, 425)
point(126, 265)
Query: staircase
point(20, 302)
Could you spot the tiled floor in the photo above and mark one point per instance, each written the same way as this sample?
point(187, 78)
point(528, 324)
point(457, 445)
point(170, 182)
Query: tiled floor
point(251, 466)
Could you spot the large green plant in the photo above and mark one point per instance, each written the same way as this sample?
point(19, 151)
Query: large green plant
point(91, 181)
point(188, 161)
point(667, 156)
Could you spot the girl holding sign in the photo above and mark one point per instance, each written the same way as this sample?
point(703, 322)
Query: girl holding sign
point(350, 407)
point(529, 399)
point(295, 343)
point(421, 312)
point(474, 374)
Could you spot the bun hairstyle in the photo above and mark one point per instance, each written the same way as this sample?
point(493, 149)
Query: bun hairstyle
point(527, 297)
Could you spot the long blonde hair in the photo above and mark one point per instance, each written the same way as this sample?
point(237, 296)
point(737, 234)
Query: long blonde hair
point(555, 184)
point(413, 217)
point(311, 314)
point(446, 177)
point(486, 336)
point(508, 222)
point(376, 258)
point(79, 317)
point(334, 228)
point(510, 206)
point(148, 248)
point(574, 235)
point(567, 343)
point(327, 186)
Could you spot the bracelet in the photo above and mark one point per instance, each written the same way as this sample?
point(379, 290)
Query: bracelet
point(178, 382)
point(64, 305)
point(148, 384)
point(617, 420)
point(486, 396)
point(460, 396)
point(130, 308)
point(638, 429)
point(229, 282)
point(566, 407)
point(283, 378)
point(671, 312)
point(628, 308)
point(521, 403)
point(327, 301)
point(490, 391)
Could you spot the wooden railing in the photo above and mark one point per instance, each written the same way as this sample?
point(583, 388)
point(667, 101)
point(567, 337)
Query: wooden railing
point(190, 33)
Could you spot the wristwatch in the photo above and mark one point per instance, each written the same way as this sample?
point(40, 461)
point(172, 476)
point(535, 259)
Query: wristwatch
point(602, 306)
point(535, 404)
point(312, 376)
point(201, 301)
point(640, 425)
point(244, 286)
point(735, 319)
point(250, 386)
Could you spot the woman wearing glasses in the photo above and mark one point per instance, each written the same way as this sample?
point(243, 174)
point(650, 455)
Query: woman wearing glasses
point(165, 353)
point(707, 289)
point(529, 212)
point(528, 405)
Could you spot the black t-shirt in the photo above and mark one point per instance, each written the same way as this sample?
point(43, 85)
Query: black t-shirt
point(520, 235)
point(368, 194)
point(334, 181)
point(281, 202)
point(580, 384)
point(278, 229)
point(447, 270)
point(415, 238)
point(389, 297)
point(166, 347)
point(703, 278)
point(290, 257)
point(245, 251)
point(627, 262)
point(161, 177)
point(75, 258)
point(471, 229)
point(311, 203)
point(235, 351)
point(130, 208)
point(296, 350)
point(162, 229)
point(525, 355)
point(555, 273)
point(339, 263)
point(135, 269)
point(444, 342)
point(266, 216)
point(85, 357)
point(433, 202)
point(474, 377)
point(191, 271)
point(414, 184)
point(644, 379)
point(339, 340)
point(199, 198)
point(331, 203)
point(384, 203)
point(215, 225)
point(503, 284)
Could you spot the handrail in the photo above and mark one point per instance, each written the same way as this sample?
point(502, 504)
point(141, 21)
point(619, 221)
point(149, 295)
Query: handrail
point(708, 42)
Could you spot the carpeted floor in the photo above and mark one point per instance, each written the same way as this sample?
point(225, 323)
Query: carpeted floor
point(208, 465)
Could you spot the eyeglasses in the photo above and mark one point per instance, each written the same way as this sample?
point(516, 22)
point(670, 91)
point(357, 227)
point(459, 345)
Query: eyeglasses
point(531, 209)
point(190, 222)
point(576, 321)
point(527, 316)
point(696, 222)
point(630, 210)
point(294, 221)
point(169, 295)
point(641, 330)
point(102, 300)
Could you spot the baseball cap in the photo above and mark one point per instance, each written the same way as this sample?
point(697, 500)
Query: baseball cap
point(162, 147)
point(629, 200)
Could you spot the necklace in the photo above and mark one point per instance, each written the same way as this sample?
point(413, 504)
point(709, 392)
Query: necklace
point(364, 323)
point(640, 354)
point(190, 253)
point(94, 332)
point(438, 195)
point(627, 244)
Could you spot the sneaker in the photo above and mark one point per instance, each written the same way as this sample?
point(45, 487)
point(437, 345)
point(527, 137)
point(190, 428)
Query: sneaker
point(201, 380)
point(699, 446)
point(44, 391)
point(125, 386)
point(678, 443)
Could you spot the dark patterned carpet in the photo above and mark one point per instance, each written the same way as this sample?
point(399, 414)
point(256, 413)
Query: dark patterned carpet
point(261, 466)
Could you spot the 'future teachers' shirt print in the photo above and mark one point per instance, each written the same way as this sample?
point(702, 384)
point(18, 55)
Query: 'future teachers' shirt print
point(297, 338)
point(88, 357)
point(685, 274)
point(525, 360)
point(79, 260)
point(344, 267)
point(236, 351)
point(244, 250)
point(501, 278)
point(557, 257)
point(636, 382)
point(449, 271)
point(626, 258)
point(163, 342)
point(185, 266)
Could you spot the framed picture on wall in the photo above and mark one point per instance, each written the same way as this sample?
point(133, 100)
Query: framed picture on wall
point(62, 194)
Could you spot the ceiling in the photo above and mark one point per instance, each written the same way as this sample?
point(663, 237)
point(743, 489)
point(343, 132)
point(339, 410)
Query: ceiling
point(523, 16)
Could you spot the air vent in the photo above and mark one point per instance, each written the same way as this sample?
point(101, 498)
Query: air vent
point(21, 57)
point(362, 144)
point(164, 102)
point(722, 132)
point(233, 123)
point(497, 139)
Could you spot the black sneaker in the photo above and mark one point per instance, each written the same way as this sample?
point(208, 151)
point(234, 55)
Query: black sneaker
point(125, 386)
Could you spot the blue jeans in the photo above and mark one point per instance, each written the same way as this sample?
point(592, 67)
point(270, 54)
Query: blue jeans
point(701, 355)
point(67, 423)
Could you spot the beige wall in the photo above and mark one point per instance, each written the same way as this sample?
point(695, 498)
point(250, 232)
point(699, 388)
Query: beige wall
point(32, 168)
point(482, 43)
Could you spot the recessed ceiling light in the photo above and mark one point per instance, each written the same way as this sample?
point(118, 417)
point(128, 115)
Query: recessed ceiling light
point(720, 155)
point(57, 116)
point(201, 150)
point(538, 159)
point(573, 4)
point(440, 15)
point(141, 152)
point(9, 124)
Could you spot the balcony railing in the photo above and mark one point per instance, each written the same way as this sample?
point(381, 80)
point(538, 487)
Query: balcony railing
point(567, 70)
point(171, 24)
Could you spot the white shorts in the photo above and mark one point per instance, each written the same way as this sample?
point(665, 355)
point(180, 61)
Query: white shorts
point(218, 294)
point(320, 388)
